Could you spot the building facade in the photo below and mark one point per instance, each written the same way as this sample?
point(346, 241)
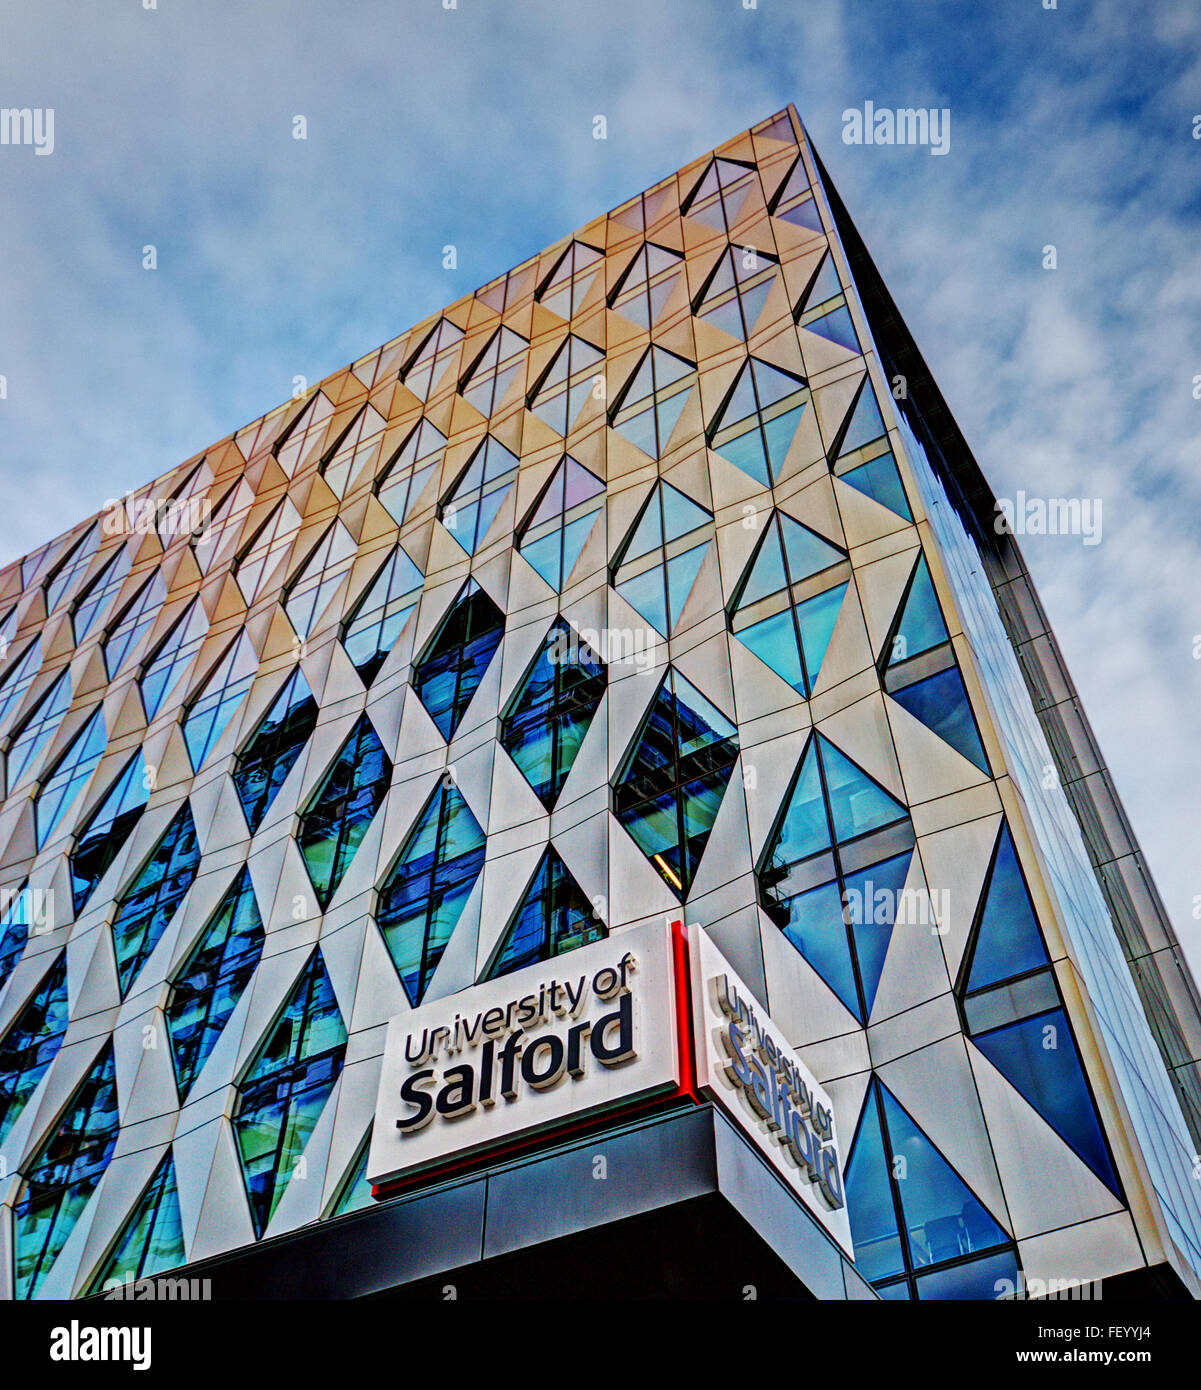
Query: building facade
point(652, 582)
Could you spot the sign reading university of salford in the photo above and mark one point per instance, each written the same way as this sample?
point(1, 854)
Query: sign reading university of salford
point(744, 1062)
point(558, 1041)
point(597, 1030)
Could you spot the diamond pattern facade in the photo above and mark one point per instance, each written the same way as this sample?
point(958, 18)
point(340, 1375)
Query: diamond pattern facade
point(669, 443)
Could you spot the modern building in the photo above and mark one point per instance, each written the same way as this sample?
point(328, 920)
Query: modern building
point(652, 583)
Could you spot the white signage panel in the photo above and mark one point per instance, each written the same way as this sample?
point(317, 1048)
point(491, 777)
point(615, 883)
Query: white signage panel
point(556, 1041)
point(746, 1064)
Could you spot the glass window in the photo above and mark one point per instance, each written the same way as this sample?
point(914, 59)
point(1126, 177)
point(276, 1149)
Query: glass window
point(1013, 1012)
point(149, 902)
point(63, 1174)
point(272, 750)
point(135, 620)
point(566, 385)
point(561, 521)
point(404, 478)
point(71, 567)
point(423, 897)
point(472, 504)
point(302, 441)
point(17, 910)
point(38, 729)
point(566, 287)
point(311, 591)
point(795, 203)
point(31, 1043)
point(428, 365)
point(70, 775)
point(674, 777)
point(259, 564)
point(910, 1211)
point(96, 597)
point(222, 692)
point(834, 870)
point(19, 677)
point(356, 453)
point(789, 599)
point(651, 402)
point(226, 516)
point(151, 1241)
point(756, 423)
point(646, 286)
point(658, 563)
point(173, 656)
point(553, 916)
point(284, 1090)
point(107, 828)
point(337, 819)
point(863, 457)
point(552, 709)
point(379, 617)
point(495, 371)
point(723, 194)
point(920, 671)
point(454, 661)
point(733, 296)
point(207, 987)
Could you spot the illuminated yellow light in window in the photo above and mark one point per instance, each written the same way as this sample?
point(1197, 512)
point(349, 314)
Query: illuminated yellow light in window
point(671, 876)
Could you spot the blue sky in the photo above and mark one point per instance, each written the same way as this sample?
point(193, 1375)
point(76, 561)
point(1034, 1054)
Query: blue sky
point(473, 126)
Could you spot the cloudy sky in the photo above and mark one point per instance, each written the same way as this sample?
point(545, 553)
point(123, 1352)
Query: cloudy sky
point(1071, 127)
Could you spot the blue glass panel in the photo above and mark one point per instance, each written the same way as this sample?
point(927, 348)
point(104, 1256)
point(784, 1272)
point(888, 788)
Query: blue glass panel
point(866, 421)
point(978, 1279)
point(746, 451)
point(454, 663)
point(680, 514)
point(880, 481)
point(857, 804)
point(640, 431)
point(647, 593)
point(63, 1173)
point(741, 405)
point(874, 1230)
point(270, 755)
point(209, 984)
point(816, 618)
point(681, 575)
point(424, 895)
point(332, 829)
point(941, 703)
point(151, 1240)
point(815, 927)
point(921, 626)
point(780, 433)
point(774, 642)
point(837, 327)
point(107, 829)
point(872, 896)
point(553, 916)
point(767, 574)
point(546, 556)
point(805, 829)
point(804, 215)
point(31, 1044)
point(753, 301)
point(1038, 1056)
point(727, 317)
point(772, 384)
point(807, 553)
point(148, 904)
point(575, 535)
point(1009, 942)
point(943, 1217)
point(825, 286)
